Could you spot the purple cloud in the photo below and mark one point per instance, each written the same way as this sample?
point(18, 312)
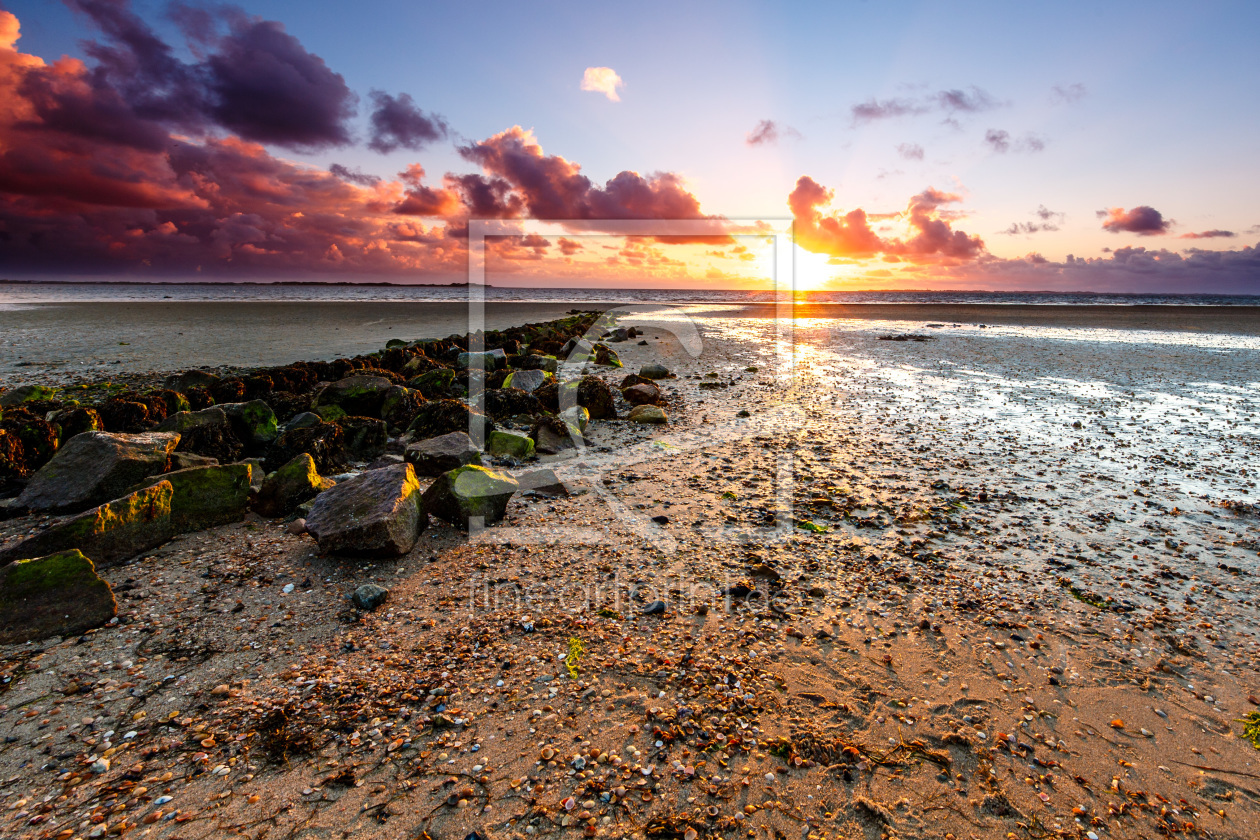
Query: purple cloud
point(1142, 220)
point(398, 124)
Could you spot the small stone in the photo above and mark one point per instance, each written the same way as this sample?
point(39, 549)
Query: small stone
point(369, 596)
point(655, 608)
point(297, 527)
point(654, 371)
point(648, 414)
point(101, 765)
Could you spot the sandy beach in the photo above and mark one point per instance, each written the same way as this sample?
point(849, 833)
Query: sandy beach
point(999, 582)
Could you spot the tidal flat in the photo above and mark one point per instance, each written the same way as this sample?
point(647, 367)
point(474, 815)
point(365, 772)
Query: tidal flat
point(986, 581)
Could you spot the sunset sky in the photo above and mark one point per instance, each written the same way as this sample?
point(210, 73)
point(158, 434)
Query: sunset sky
point(1089, 146)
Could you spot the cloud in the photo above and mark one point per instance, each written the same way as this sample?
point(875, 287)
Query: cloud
point(602, 80)
point(354, 176)
point(845, 235)
point(1142, 220)
point(253, 79)
point(950, 102)
point(910, 151)
point(768, 132)
point(1210, 234)
point(1000, 142)
point(1067, 94)
point(398, 124)
point(549, 187)
point(1050, 221)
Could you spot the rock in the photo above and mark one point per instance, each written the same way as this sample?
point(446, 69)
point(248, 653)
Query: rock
point(184, 382)
point(618, 335)
point(533, 361)
point(545, 482)
point(26, 393)
point(553, 435)
point(655, 608)
point(434, 384)
point(643, 343)
point(387, 460)
point(743, 412)
point(369, 596)
point(39, 437)
point(648, 414)
point(297, 527)
point(488, 360)
point(606, 356)
point(289, 486)
point(207, 432)
point(119, 415)
point(642, 395)
point(12, 458)
point(188, 460)
point(444, 453)
point(76, 421)
point(208, 496)
point(577, 417)
point(365, 437)
point(525, 380)
point(470, 495)
point(441, 417)
point(109, 533)
point(56, 595)
point(504, 403)
point(400, 405)
point(253, 422)
point(654, 371)
point(304, 420)
point(595, 396)
point(361, 396)
point(94, 467)
point(510, 445)
point(376, 513)
point(324, 442)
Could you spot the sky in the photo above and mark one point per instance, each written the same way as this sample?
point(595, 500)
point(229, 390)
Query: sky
point(1073, 146)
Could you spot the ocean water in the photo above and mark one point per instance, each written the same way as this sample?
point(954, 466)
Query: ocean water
point(16, 294)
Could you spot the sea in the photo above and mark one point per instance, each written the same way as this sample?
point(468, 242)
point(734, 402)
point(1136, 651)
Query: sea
point(17, 294)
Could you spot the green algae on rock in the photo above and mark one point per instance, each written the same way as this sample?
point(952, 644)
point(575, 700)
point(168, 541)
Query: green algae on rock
point(110, 533)
point(55, 595)
point(208, 496)
point(95, 467)
point(509, 445)
point(286, 488)
point(470, 495)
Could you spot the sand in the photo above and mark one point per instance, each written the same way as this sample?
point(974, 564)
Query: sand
point(995, 592)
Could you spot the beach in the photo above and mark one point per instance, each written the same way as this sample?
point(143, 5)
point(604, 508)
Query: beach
point(995, 578)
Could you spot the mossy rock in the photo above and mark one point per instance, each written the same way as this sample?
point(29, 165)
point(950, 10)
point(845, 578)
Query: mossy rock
point(504, 403)
point(120, 415)
point(39, 437)
point(606, 356)
point(357, 396)
point(365, 437)
point(395, 342)
point(76, 421)
point(95, 467)
point(26, 394)
point(12, 458)
point(288, 404)
point(329, 413)
point(502, 444)
point(291, 485)
point(470, 496)
point(595, 396)
point(324, 442)
point(253, 423)
point(109, 533)
point(434, 384)
point(374, 514)
point(440, 417)
point(400, 406)
point(56, 595)
point(204, 497)
point(173, 400)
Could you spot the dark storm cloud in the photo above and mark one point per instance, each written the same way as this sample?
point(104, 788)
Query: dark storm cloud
point(397, 123)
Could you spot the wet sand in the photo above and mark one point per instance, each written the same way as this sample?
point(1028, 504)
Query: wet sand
point(995, 591)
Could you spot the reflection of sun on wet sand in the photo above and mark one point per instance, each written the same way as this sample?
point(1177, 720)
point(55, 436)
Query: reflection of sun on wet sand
point(997, 579)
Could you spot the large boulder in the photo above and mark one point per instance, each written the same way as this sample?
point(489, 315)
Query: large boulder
point(109, 533)
point(526, 380)
point(376, 513)
point(595, 396)
point(57, 595)
point(94, 467)
point(365, 437)
point(208, 496)
point(253, 422)
point(360, 396)
point(440, 417)
point(470, 495)
point(502, 444)
point(289, 486)
point(26, 393)
point(206, 432)
point(443, 453)
point(325, 442)
point(76, 421)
